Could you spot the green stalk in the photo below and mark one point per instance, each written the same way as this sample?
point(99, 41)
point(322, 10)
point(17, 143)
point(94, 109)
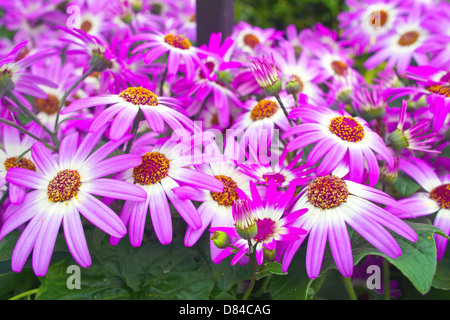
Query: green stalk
point(349, 287)
point(24, 294)
point(253, 279)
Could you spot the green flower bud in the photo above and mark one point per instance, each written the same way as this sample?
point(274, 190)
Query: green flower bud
point(220, 239)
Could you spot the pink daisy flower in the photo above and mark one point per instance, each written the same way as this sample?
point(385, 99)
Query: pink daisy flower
point(15, 146)
point(400, 46)
point(261, 118)
point(434, 198)
point(271, 217)
point(15, 79)
point(177, 47)
point(338, 137)
point(125, 106)
point(215, 208)
point(302, 69)
point(165, 165)
point(333, 203)
point(63, 188)
point(434, 84)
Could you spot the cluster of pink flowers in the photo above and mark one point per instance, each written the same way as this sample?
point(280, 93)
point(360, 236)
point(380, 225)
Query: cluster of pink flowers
point(259, 140)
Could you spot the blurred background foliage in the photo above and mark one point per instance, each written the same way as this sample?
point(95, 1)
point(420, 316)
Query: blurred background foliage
point(281, 13)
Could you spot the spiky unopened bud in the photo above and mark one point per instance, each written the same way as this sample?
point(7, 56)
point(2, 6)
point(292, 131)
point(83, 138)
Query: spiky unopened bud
point(266, 76)
point(244, 220)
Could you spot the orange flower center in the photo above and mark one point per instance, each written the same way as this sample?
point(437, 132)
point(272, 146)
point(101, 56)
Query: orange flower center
point(154, 167)
point(49, 105)
point(139, 96)
point(441, 195)
point(229, 193)
point(408, 38)
point(179, 42)
point(347, 128)
point(263, 109)
point(327, 192)
point(22, 163)
point(64, 186)
point(251, 40)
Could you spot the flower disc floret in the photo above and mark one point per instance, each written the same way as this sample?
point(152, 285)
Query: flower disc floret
point(251, 40)
point(177, 41)
point(378, 19)
point(408, 38)
point(440, 90)
point(263, 109)
point(154, 167)
point(339, 67)
point(266, 228)
point(49, 105)
point(229, 194)
point(139, 96)
point(64, 186)
point(327, 192)
point(22, 163)
point(347, 128)
point(441, 195)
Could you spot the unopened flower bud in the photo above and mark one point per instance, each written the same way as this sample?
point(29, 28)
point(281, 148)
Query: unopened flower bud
point(266, 76)
point(220, 239)
point(98, 62)
point(398, 139)
point(293, 86)
point(269, 255)
point(245, 223)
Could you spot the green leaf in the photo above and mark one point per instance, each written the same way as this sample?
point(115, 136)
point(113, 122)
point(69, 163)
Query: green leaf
point(442, 277)
point(418, 259)
point(152, 271)
point(269, 269)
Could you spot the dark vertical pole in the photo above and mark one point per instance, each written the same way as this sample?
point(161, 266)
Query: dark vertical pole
point(214, 16)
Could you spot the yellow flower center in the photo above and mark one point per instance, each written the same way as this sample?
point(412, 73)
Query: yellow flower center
point(22, 163)
point(263, 109)
point(347, 128)
point(178, 41)
point(327, 192)
point(440, 90)
point(64, 186)
point(229, 193)
point(441, 195)
point(139, 96)
point(154, 167)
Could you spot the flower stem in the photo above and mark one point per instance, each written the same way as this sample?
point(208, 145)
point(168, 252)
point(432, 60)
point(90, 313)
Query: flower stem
point(349, 287)
point(284, 109)
point(253, 279)
point(24, 294)
point(161, 84)
point(21, 129)
point(30, 114)
point(63, 100)
point(386, 275)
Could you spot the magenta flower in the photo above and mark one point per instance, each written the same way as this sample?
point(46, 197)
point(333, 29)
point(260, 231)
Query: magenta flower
point(338, 137)
point(333, 203)
point(178, 48)
point(405, 42)
point(62, 189)
point(416, 137)
point(212, 86)
point(17, 80)
point(273, 220)
point(165, 165)
point(433, 198)
point(125, 106)
point(15, 147)
point(434, 84)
